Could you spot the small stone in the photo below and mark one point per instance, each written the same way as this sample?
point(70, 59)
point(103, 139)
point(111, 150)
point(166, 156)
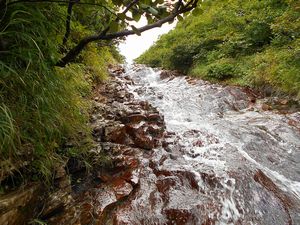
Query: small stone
point(56, 200)
point(252, 99)
point(60, 172)
point(198, 143)
point(284, 102)
point(266, 107)
point(134, 118)
point(173, 156)
point(98, 132)
point(165, 74)
point(154, 117)
point(122, 94)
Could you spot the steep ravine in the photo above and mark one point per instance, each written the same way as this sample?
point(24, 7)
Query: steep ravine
point(183, 151)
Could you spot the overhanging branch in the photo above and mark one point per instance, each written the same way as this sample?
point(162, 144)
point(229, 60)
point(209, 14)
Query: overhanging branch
point(73, 53)
point(127, 8)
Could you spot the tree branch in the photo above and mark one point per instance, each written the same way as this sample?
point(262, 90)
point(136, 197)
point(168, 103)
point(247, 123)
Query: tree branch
point(68, 21)
point(178, 5)
point(74, 52)
point(129, 6)
point(71, 55)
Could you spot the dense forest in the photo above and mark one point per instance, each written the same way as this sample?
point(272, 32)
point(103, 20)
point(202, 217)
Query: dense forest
point(253, 43)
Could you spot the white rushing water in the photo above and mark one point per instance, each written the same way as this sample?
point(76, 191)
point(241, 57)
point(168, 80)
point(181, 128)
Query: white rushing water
point(218, 131)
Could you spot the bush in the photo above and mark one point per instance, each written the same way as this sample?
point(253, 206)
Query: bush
point(182, 57)
point(220, 71)
point(279, 68)
point(258, 33)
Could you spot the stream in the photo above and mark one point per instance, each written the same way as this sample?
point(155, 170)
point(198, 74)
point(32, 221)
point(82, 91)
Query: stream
point(169, 149)
point(224, 159)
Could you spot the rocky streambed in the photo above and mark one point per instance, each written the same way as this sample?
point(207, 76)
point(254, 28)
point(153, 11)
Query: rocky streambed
point(181, 151)
point(227, 159)
point(124, 130)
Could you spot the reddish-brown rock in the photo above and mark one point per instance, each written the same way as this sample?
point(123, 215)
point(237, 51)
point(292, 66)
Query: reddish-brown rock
point(266, 107)
point(134, 118)
point(121, 188)
point(178, 216)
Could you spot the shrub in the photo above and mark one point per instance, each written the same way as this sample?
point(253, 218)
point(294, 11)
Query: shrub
point(182, 57)
point(279, 68)
point(220, 71)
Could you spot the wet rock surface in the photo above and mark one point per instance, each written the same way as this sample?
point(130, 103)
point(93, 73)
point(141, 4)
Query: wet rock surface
point(224, 159)
point(217, 157)
point(124, 129)
point(16, 206)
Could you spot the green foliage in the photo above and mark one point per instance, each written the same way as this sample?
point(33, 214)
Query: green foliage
point(279, 67)
point(253, 43)
point(220, 71)
point(95, 66)
point(42, 108)
point(182, 57)
point(117, 14)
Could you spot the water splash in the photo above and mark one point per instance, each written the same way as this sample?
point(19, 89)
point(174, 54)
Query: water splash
point(222, 139)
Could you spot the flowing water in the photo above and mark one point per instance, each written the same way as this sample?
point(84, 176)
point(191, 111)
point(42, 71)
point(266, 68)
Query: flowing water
point(224, 161)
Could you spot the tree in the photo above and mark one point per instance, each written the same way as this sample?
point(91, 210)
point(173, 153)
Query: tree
point(122, 12)
point(157, 12)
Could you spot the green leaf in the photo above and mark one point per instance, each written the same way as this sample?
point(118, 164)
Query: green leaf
point(135, 30)
point(149, 18)
point(180, 18)
point(122, 16)
point(136, 16)
point(163, 11)
point(159, 2)
point(147, 2)
point(197, 11)
point(144, 6)
point(186, 13)
point(114, 26)
point(153, 11)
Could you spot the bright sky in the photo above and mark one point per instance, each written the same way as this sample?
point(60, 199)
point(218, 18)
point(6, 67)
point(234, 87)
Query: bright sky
point(135, 45)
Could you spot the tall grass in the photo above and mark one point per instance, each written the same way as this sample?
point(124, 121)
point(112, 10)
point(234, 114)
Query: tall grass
point(42, 108)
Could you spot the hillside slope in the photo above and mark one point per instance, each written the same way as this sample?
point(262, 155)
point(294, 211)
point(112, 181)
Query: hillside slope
point(253, 43)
